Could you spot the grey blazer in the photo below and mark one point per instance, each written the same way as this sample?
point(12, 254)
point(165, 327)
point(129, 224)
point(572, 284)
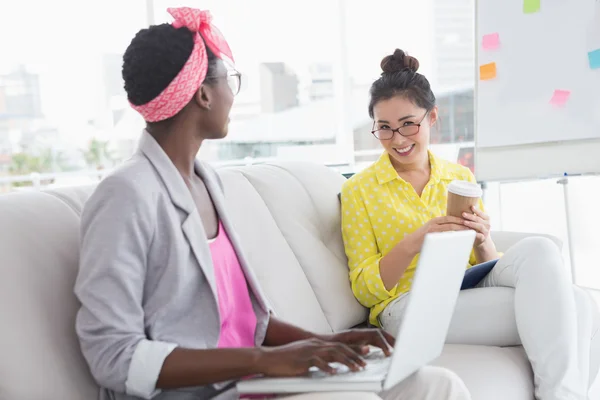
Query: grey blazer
point(146, 281)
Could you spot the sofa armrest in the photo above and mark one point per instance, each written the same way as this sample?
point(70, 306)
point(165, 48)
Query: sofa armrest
point(503, 240)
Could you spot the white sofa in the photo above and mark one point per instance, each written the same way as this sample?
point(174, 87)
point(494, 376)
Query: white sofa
point(287, 216)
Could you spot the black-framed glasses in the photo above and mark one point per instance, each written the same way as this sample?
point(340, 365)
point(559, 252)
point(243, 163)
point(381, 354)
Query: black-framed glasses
point(234, 80)
point(405, 130)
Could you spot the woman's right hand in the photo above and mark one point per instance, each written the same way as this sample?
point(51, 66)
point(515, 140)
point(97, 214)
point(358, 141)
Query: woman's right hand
point(439, 224)
point(297, 358)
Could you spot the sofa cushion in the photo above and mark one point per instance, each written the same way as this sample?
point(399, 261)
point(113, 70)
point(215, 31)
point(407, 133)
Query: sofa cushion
point(280, 274)
point(294, 209)
point(38, 346)
point(485, 316)
point(490, 373)
point(503, 240)
point(74, 196)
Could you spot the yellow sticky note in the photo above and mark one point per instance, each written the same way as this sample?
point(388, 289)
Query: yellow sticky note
point(531, 6)
point(487, 71)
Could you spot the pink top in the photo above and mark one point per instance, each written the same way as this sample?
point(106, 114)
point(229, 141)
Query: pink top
point(238, 320)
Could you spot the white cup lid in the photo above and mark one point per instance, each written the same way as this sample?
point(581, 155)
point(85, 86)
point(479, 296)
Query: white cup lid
point(465, 188)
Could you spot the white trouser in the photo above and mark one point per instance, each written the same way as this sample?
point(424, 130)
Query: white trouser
point(429, 383)
point(557, 322)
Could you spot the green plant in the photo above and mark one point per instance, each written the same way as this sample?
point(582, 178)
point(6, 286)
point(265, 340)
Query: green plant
point(97, 155)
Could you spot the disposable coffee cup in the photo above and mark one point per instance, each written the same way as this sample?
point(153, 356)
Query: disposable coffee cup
point(462, 195)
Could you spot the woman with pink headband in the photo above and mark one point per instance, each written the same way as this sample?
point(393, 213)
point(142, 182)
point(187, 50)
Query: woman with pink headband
point(170, 308)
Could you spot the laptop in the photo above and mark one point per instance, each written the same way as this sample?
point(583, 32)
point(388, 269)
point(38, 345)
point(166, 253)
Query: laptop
point(420, 338)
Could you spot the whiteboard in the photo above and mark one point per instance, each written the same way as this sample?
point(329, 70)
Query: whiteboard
point(538, 112)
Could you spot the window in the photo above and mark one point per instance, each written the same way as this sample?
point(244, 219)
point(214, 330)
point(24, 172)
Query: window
point(306, 76)
point(58, 87)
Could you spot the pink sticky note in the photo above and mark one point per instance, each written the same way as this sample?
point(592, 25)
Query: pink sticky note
point(491, 41)
point(560, 97)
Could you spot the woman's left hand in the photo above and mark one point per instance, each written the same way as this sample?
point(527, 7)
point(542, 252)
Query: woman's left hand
point(480, 223)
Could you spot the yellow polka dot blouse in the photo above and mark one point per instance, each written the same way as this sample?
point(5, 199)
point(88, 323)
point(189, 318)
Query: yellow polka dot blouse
point(379, 209)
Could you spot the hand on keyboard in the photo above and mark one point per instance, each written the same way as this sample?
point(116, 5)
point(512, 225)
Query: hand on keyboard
point(374, 356)
point(375, 353)
point(339, 368)
point(300, 358)
point(362, 339)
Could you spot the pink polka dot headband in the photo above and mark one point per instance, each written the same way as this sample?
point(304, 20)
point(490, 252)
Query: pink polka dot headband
point(182, 88)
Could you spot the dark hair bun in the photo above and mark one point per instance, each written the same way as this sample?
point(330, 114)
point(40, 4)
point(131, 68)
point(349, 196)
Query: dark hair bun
point(398, 61)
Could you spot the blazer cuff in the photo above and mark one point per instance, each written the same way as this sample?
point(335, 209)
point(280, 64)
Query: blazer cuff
point(145, 366)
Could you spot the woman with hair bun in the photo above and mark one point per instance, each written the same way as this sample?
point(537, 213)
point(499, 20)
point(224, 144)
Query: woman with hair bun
point(388, 208)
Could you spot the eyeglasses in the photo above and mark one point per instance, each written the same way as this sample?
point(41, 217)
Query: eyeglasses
point(406, 130)
point(234, 80)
